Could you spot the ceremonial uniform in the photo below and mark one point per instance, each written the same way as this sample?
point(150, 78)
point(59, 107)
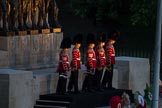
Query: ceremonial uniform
point(63, 61)
point(90, 64)
point(101, 61)
point(75, 64)
point(91, 59)
point(64, 66)
point(110, 61)
point(100, 55)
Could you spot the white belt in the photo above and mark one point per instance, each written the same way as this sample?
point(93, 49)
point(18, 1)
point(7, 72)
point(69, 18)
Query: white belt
point(65, 62)
point(102, 57)
point(63, 75)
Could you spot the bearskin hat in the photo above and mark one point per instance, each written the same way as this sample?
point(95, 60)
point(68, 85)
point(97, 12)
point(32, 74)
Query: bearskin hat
point(91, 38)
point(66, 43)
point(101, 37)
point(114, 35)
point(78, 38)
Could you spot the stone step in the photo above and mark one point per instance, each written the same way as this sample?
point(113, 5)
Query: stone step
point(55, 97)
point(52, 103)
point(81, 100)
point(48, 106)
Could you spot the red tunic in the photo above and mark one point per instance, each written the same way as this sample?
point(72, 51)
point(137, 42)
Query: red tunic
point(110, 54)
point(91, 59)
point(63, 61)
point(75, 63)
point(100, 56)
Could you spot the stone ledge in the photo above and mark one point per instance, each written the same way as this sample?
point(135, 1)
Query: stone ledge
point(35, 67)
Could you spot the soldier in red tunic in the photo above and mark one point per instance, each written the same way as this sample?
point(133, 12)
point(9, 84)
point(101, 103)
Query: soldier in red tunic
point(90, 63)
point(101, 61)
point(110, 60)
point(64, 66)
point(75, 64)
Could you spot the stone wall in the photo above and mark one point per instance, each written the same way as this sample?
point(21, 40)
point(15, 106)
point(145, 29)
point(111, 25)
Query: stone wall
point(44, 84)
point(30, 51)
point(16, 89)
point(21, 89)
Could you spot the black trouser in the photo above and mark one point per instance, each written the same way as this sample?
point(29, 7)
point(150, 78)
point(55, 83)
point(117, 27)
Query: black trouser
point(73, 82)
point(107, 79)
point(61, 85)
point(97, 79)
point(88, 82)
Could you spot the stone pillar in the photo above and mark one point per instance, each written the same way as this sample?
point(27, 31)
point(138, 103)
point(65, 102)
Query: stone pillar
point(133, 73)
point(16, 89)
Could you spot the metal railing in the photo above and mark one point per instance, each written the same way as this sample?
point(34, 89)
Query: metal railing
point(134, 52)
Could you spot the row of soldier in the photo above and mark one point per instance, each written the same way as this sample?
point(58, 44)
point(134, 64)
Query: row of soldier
point(99, 63)
point(27, 14)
